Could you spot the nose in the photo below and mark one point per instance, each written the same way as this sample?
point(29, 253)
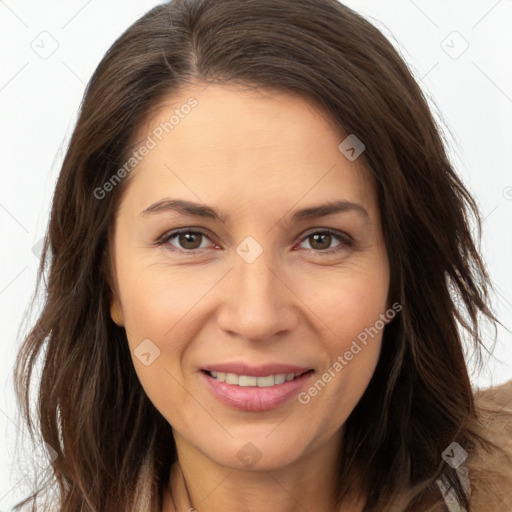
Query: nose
point(257, 301)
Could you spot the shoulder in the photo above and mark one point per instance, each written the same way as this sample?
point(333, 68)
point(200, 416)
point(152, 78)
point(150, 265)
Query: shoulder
point(490, 471)
point(500, 395)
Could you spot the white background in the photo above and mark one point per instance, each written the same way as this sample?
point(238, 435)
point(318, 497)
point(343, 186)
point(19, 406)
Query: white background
point(39, 98)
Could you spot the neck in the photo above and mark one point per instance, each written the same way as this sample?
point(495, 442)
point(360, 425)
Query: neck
point(299, 486)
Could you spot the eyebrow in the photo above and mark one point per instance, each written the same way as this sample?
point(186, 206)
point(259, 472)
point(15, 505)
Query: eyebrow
point(199, 210)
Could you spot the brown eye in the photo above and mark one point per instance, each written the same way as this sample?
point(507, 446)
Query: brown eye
point(185, 241)
point(321, 241)
point(189, 240)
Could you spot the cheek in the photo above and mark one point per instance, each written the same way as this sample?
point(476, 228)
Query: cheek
point(158, 301)
point(350, 306)
point(346, 300)
point(164, 306)
point(156, 308)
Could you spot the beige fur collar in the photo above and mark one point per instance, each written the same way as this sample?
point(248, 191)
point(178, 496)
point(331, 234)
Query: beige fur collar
point(490, 474)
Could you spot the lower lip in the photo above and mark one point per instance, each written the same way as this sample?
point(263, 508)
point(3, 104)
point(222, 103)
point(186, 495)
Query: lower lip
point(253, 398)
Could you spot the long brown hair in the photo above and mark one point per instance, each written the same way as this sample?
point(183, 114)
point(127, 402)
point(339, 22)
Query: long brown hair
point(113, 448)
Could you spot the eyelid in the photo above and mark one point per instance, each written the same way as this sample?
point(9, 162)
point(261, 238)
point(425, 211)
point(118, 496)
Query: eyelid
point(345, 237)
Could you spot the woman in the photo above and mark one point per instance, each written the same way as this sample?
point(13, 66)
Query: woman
point(202, 352)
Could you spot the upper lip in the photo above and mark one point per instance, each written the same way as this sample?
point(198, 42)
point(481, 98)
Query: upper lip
point(262, 370)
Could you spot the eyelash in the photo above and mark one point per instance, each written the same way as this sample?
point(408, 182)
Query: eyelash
point(344, 239)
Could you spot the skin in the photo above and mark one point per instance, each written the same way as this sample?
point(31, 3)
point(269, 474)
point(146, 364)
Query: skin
point(257, 157)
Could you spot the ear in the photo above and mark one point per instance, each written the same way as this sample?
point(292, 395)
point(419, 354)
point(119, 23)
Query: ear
point(109, 272)
point(116, 311)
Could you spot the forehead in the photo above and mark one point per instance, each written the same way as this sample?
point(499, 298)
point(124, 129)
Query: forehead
point(237, 147)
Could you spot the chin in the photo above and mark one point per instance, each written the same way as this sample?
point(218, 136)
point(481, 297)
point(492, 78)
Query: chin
point(258, 452)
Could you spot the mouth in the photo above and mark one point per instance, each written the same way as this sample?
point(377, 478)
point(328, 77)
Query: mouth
point(255, 381)
point(252, 393)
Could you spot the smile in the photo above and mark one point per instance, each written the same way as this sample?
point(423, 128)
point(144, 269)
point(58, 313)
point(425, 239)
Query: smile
point(253, 381)
point(255, 394)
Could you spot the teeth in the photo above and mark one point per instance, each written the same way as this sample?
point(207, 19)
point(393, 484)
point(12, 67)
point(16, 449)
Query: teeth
point(279, 379)
point(244, 380)
point(263, 382)
point(250, 381)
point(231, 378)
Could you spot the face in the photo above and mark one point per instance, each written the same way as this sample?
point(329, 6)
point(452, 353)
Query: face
point(254, 281)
